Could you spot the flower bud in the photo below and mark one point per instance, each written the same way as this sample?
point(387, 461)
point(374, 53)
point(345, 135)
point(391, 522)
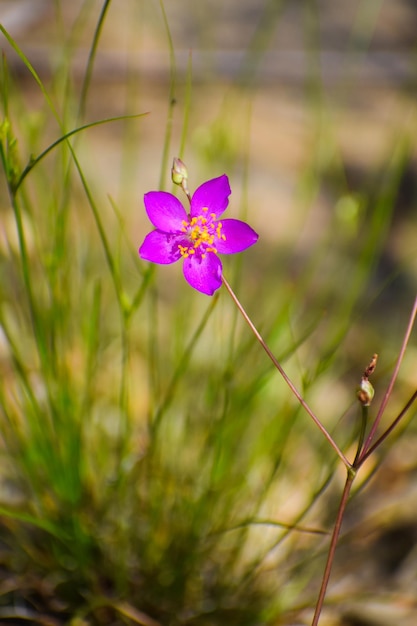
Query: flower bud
point(179, 173)
point(365, 392)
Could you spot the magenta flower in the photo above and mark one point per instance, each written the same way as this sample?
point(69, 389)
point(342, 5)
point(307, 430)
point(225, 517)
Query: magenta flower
point(197, 237)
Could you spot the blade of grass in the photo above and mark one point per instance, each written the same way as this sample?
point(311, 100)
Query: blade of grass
point(91, 58)
point(35, 160)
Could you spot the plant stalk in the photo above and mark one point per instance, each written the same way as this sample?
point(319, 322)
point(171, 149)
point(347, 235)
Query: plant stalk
point(284, 375)
point(333, 544)
point(388, 392)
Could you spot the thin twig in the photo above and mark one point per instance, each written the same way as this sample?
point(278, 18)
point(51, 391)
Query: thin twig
point(388, 431)
point(388, 392)
point(284, 375)
point(332, 549)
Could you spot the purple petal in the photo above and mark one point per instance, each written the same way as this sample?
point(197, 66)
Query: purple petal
point(239, 236)
point(160, 247)
point(204, 274)
point(213, 195)
point(165, 211)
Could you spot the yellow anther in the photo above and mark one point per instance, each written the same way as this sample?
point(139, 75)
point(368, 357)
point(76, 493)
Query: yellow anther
point(202, 232)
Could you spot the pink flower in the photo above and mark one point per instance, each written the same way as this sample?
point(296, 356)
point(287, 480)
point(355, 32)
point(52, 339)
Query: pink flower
point(196, 237)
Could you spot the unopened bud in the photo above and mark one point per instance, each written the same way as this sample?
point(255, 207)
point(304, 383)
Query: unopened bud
point(365, 392)
point(179, 173)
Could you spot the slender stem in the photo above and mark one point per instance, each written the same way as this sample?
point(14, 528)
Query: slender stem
point(171, 95)
point(284, 375)
point(362, 432)
point(391, 384)
point(387, 432)
point(361, 455)
point(332, 549)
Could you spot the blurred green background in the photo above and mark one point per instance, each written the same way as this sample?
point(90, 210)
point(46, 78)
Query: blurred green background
point(155, 469)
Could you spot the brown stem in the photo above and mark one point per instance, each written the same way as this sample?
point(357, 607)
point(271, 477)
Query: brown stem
point(387, 432)
point(388, 392)
point(332, 548)
point(284, 375)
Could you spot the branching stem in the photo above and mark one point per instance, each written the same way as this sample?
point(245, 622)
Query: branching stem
point(390, 387)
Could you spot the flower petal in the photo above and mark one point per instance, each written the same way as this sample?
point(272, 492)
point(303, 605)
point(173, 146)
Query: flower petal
point(160, 247)
point(213, 194)
point(165, 211)
point(204, 274)
point(239, 236)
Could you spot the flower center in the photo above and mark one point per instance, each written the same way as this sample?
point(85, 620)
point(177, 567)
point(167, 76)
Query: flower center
point(202, 231)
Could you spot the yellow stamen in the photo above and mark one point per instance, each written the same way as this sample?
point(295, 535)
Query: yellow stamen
point(201, 231)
